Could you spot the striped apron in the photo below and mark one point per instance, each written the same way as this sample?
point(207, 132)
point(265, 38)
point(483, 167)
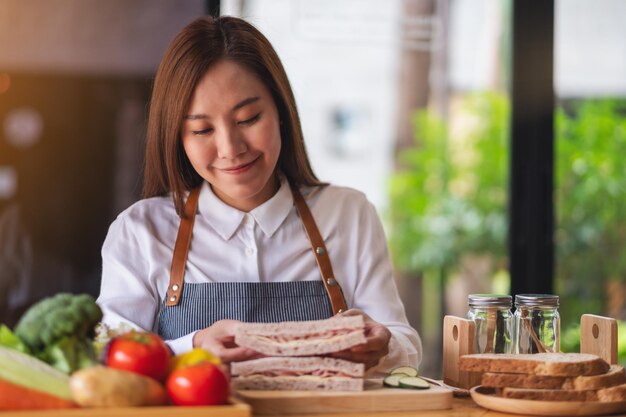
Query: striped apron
point(190, 307)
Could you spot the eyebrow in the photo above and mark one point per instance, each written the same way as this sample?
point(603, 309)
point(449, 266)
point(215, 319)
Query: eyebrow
point(237, 106)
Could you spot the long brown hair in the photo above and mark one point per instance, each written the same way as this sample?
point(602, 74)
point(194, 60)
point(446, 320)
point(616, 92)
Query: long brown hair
point(195, 49)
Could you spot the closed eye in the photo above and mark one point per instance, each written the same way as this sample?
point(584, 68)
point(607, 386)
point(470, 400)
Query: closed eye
point(250, 121)
point(202, 132)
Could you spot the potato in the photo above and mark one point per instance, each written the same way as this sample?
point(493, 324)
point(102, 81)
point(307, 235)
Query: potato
point(107, 387)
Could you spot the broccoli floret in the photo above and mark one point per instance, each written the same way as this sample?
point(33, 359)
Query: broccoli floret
point(60, 329)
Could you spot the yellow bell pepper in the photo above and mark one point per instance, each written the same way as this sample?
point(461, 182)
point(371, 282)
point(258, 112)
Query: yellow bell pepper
point(193, 357)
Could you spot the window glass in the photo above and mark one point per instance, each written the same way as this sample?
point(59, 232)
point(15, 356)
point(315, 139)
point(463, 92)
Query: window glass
point(590, 141)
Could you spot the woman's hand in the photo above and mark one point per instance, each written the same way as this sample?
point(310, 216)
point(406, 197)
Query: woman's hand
point(219, 339)
point(376, 346)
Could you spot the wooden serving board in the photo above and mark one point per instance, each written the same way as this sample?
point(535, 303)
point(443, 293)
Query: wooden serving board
point(375, 397)
point(235, 409)
point(486, 398)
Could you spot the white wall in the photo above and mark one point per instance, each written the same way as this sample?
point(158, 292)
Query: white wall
point(590, 48)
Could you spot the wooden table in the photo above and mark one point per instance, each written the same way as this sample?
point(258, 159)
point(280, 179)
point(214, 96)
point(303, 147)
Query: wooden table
point(461, 407)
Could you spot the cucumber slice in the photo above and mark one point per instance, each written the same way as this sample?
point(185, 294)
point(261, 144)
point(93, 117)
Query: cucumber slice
point(413, 382)
point(393, 380)
point(407, 370)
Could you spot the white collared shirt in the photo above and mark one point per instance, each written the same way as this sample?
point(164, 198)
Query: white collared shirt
point(268, 244)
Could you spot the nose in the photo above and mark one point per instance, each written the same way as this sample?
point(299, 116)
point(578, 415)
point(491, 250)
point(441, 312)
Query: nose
point(230, 144)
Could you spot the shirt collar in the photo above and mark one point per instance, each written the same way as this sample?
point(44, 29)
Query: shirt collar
point(271, 214)
point(225, 220)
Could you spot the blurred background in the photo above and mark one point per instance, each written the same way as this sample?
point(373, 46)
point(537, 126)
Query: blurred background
point(488, 134)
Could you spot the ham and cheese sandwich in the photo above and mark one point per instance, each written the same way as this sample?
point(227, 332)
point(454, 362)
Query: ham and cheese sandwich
point(302, 338)
point(295, 352)
point(298, 373)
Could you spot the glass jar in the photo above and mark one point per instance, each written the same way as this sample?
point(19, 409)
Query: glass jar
point(537, 323)
point(491, 314)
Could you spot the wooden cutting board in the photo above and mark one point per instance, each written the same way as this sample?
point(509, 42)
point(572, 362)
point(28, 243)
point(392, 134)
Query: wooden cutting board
point(375, 397)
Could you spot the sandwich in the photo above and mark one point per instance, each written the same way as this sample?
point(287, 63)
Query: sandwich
point(295, 355)
point(308, 373)
point(552, 364)
point(302, 338)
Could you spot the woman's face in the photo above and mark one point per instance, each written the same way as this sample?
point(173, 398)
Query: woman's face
point(231, 135)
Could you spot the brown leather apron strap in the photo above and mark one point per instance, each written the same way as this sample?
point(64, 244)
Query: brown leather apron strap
point(333, 288)
point(181, 249)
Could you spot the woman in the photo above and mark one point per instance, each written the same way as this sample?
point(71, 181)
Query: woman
point(217, 239)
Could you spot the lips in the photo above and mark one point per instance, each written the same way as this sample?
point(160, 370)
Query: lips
point(238, 169)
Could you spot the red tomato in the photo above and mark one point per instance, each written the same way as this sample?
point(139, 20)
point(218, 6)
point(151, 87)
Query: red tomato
point(201, 384)
point(140, 352)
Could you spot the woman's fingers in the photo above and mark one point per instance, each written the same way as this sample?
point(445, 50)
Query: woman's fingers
point(219, 339)
point(356, 312)
point(369, 353)
point(227, 352)
point(351, 312)
point(376, 346)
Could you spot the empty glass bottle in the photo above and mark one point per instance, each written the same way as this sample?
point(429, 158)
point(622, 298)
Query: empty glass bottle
point(492, 316)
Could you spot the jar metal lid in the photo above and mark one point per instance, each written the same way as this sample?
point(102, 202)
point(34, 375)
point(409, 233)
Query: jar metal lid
point(489, 300)
point(537, 300)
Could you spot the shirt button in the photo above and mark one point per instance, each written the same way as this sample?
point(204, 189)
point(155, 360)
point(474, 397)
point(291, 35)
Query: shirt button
point(249, 251)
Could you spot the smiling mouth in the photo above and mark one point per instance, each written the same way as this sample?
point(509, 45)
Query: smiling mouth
point(240, 168)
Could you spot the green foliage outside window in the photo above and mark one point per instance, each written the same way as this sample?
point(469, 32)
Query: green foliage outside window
point(591, 204)
point(449, 197)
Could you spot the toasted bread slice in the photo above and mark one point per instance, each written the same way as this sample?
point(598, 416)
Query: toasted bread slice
point(615, 376)
point(549, 394)
point(502, 380)
point(616, 393)
point(551, 364)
